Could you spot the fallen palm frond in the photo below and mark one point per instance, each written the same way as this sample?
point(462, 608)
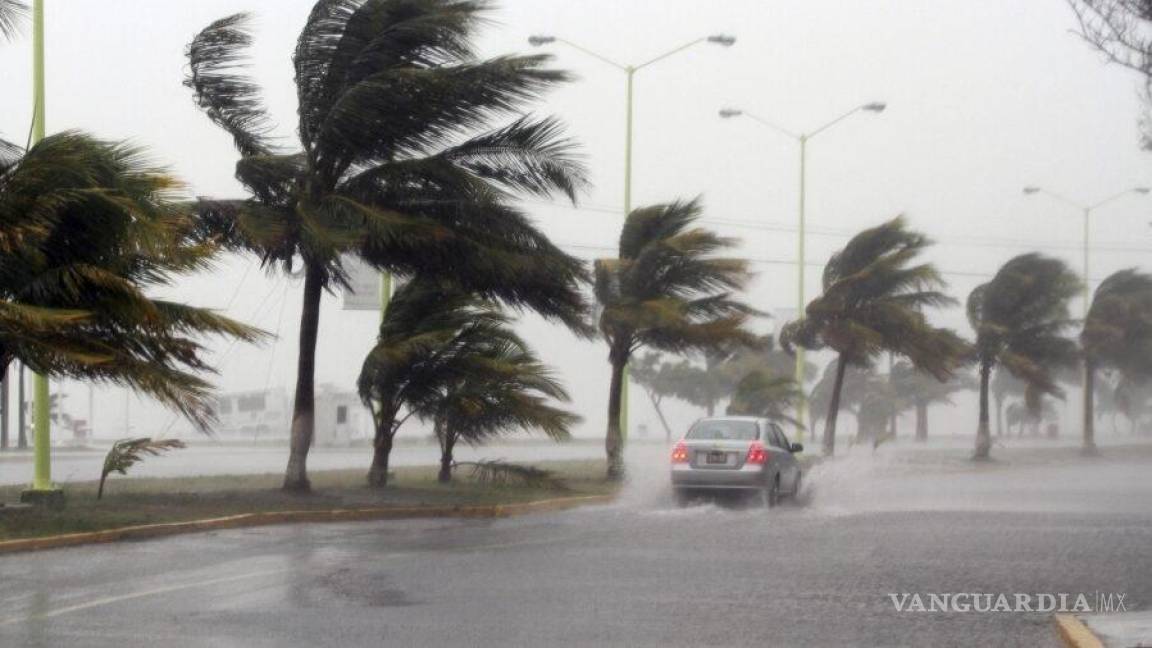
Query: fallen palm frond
point(500, 474)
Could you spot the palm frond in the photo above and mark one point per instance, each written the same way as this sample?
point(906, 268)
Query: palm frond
point(126, 453)
point(216, 59)
point(12, 14)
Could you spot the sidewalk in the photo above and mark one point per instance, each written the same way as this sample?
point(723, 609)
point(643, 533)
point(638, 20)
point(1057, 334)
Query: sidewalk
point(1124, 630)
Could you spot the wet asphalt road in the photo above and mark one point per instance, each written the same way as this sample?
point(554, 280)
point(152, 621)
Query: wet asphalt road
point(639, 573)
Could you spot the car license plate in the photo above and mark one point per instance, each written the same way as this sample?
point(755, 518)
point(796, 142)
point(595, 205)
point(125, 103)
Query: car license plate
point(717, 457)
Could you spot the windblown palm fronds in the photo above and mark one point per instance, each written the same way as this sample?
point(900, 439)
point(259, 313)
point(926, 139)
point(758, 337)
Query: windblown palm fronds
point(1117, 335)
point(669, 291)
point(1020, 318)
point(874, 301)
point(88, 229)
point(402, 160)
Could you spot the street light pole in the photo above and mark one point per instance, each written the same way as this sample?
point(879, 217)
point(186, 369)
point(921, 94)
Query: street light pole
point(802, 139)
point(1086, 210)
point(630, 76)
point(42, 490)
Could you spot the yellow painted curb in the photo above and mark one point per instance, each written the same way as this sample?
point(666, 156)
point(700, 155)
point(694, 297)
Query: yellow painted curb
point(284, 517)
point(1075, 634)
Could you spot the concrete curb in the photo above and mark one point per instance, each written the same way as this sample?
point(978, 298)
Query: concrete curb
point(1075, 634)
point(287, 517)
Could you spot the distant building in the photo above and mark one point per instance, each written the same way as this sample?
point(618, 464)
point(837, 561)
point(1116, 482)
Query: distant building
point(267, 414)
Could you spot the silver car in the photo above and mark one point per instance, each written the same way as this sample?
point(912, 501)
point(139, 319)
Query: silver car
point(741, 453)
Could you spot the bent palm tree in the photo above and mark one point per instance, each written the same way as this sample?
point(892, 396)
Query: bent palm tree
point(391, 164)
point(1020, 318)
point(87, 230)
point(424, 331)
point(666, 291)
point(1117, 334)
point(502, 388)
point(873, 302)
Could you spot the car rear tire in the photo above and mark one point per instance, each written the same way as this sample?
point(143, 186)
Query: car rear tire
point(769, 496)
point(681, 497)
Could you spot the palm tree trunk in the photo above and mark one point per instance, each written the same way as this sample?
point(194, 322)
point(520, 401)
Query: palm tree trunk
point(983, 433)
point(660, 414)
point(4, 409)
point(613, 442)
point(710, 408)
point(304, 407)
point(834, 407)
point(1089, 447)
point(921, 421)
point(447, 442)
point(999, 415)
point(381, 451)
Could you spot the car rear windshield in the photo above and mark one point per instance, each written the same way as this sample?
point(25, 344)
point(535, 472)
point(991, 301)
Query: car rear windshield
point(724, 431)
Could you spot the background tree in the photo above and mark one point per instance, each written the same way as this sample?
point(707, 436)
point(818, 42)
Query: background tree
point(1117, 335)
point(88, 231)
point(855, 386)
point(764, 393)
point(667, 291)
point(390, 166)
point(657, 380)
point(873, 302)
point(1122, 31)
point(1020, 318)
point(1003, 386)
point(921, 391)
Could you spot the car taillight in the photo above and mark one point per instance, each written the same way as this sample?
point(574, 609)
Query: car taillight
point(680, 453)
point(756, 453)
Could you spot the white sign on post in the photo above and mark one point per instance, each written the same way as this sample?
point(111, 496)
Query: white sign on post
point(363, 291)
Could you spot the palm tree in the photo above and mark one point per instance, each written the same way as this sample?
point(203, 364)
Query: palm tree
point(873, 302)
point(1117, 335)
point(502, 387)
point(920, 390)
point(1020, 318)
point(666, 291)
point(398, 163)
point(88, 229)
point(425, 329)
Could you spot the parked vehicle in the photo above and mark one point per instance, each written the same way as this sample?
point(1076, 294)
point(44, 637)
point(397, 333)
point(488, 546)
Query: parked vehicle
point(736, 453)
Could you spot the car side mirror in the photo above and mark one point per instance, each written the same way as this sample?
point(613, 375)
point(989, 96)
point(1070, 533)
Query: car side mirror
point(796, 447)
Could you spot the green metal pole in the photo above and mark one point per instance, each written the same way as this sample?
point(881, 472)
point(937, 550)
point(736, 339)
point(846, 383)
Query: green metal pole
point(385, 293)
point(42, 434)
point(1087, 283)
point(631, 73)
point(802, 402)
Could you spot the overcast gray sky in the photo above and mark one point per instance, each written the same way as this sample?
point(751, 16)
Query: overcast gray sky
point(984, 97)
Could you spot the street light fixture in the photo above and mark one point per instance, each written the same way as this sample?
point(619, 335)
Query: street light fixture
point(1087, 210)
point(629, 70)
point(802, 139)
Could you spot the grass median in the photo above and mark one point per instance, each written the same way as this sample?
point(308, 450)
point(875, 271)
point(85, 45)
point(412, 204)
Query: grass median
point(135, 501)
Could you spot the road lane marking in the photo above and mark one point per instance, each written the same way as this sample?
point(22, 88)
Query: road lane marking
point(135, 595)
